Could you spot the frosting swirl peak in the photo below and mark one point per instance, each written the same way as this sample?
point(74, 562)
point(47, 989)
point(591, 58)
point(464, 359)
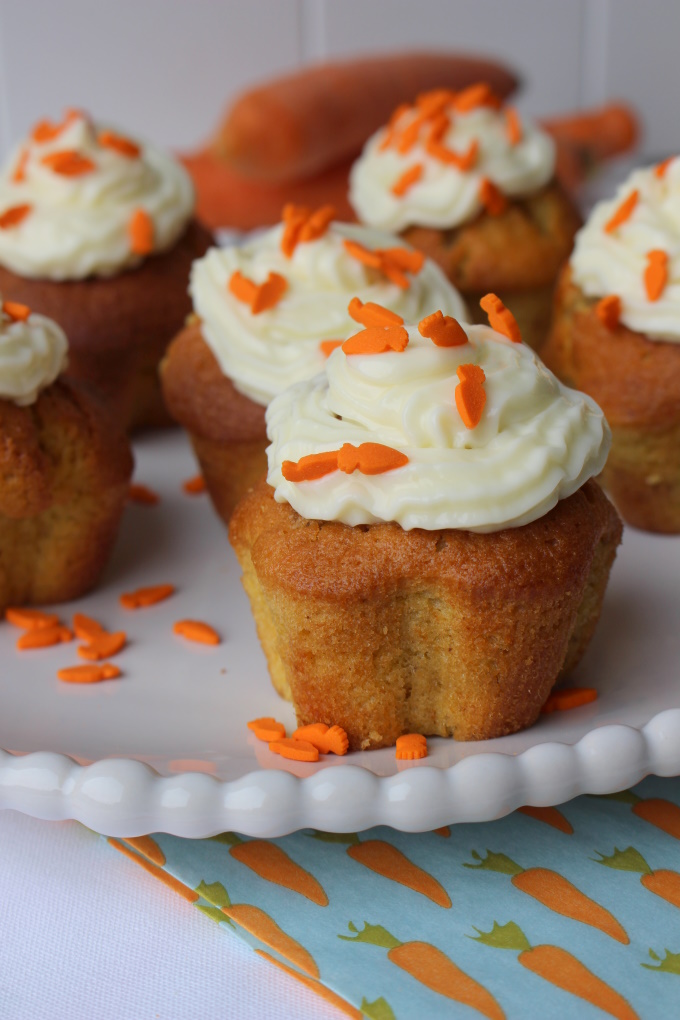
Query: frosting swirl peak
point(33, 352)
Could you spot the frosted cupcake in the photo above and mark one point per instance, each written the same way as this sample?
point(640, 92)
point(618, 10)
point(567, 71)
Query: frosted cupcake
point(96, 232)
point(616, 335)
point(429, 552)
point(472, 184)
point(64, 470)
point(268, 314)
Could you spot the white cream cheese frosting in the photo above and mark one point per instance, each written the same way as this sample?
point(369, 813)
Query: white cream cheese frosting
point(79, 210)
point(33, 352)
point(614, 261)
point(264, 353)
point(445, 195)
point(536, 442)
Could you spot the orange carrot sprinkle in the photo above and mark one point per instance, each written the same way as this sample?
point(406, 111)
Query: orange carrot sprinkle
point(409, 135)
point(143, 597)
point(138, 493)
point(194, 486)
point(260, 297)
point(103, 646)
point(242, 288)
point(326, 739)
point(656, 274)
point(492, 198)
point(391, 129)
point(435, 101)
point(565, 698)
point(408, 259)
point(369, 313)
point(88, 674)
point(44, 637)
point(362, 254)
point(46, 131)
point(473, 96)
point(608, 311)
point(328, 346)
point(86, 628)
point(196, 630)
point(470, 394)
point(30, 619)
point(660, 168)
point(19, 174)
point(317, 224)
point(377, 340)
point(120, 144)
point(501, 318)
point(297, 750)
point(141, 232)
point(406, 180)
point(623, 213)
point(307, 469)
point(442, 330)
point(463, 161)
point(267, 728)
point(68, 163)
point(370, 458)
point(513, 125)
point(13, 216)
point(411, 746)
point(302, 225)
point(17, 312)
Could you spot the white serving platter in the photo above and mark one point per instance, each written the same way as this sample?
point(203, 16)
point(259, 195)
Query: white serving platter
point(166, 748)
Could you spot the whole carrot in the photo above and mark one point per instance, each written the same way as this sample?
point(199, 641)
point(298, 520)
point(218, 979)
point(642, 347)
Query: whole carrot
point(260, 925)
point(555, 892)
point(273, 864)
point(550, 816)
point(663, 883)
point(663, 814)
point(559, 967)
point(431, 967)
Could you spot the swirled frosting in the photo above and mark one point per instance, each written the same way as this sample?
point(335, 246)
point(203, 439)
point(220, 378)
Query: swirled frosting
point(444, 195)
point(614, 262)
point(537, 441)
point(32, 354)
point(264, 353)
point(79, 211)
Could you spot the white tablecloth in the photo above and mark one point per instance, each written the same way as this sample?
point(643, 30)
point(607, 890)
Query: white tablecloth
point(87, 935)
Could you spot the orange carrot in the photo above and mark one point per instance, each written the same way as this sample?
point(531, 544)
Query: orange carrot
point(559, 967)
point(103, 646)
point(659, 812)
point(141, 232)
point(296, 750)
point(566, 698)
point(368, 313)
point(315, 986)
point(328, 346)
point(143, 597)
point(88, 674)
point(29, 619)
point(663, 883)
point(86, 628)
point(153, 869)
point(608, 311)
point(123, 146)
point(295, 126)
point(274, 865)
point(19, 174)
point(407, 179)
point(549, 815)
point(656, 274)
point(410, 747)
point(513, 125)
point(442, 330)
point(370, 458)
point(431, 967)
point(196, 630)
point(479, 94)
point(46, 131)
point(194, 486)
point(314, 465)
point(501, 318)
point(462, 161)
point(377, 340)
point(326, 739)
point(623, 213)
point(267, 728)
point(555, 892)
point(386, 860)
point(661, 168)
point(16, 311)
point(142, 494)
point(260, 297)
point(492, 198)
point(470, 395)
point(68, 163)
point(44, 637)
point(393, 262)
point(15, 215)
point(317, 223)
point(264, 928)
point(148, 847)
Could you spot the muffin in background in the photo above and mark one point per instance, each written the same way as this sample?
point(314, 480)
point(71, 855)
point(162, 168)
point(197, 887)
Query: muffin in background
point(64, 469)
point(267, 314)
point(472, 184)
point(430, 550)
point(96, 232)
point(616, 335)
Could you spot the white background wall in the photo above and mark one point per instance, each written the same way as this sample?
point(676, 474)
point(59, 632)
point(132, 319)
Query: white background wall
point(167, 68)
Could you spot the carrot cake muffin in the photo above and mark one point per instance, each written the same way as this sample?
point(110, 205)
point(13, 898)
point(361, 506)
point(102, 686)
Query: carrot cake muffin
point(472, 184)
point(268, 313)
point(616, 335)
point(96, 232)
point(429, 551)
point(64, 469)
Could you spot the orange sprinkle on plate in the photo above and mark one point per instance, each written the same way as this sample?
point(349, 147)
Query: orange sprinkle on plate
point(143, 597)
point(267, 728)
point(103, 646)
point(326, 739)
point(30, 619)
point(44, 637)
point(565, 698)
point(142, 494)
point(88, 674)
point(296, 750)
point(194, 486)
point(411, 746)
point(196, 630)
point(86, 628)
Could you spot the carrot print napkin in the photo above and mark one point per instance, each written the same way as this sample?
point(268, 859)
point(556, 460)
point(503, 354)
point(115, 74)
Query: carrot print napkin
point(571, 912)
